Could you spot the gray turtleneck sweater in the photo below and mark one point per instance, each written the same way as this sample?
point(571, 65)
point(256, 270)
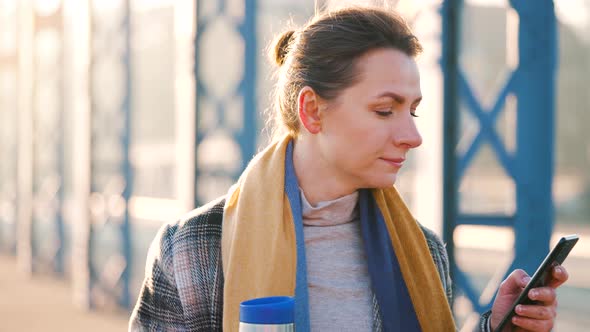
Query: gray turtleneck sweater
point(340, 297)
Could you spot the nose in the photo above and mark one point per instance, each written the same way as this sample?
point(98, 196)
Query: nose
point(406, 134)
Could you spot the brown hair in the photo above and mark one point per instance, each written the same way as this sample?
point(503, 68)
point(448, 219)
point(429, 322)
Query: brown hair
point(323, 55)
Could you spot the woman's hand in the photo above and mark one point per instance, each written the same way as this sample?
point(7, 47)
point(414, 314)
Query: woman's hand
point(532, 317)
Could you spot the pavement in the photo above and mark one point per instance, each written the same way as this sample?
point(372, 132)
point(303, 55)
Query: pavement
point(44, 303)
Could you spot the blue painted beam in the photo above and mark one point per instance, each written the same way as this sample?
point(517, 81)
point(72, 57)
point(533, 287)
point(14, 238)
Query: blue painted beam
point(468, 290)
point(60, 195)
point(485, 220)
point(126, 169)
point(249, 131)
point(451, 14)
point(486, 128)
point(59, 220)
point(535, 137)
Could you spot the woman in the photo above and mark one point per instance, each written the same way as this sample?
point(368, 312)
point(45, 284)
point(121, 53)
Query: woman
point(315, 214)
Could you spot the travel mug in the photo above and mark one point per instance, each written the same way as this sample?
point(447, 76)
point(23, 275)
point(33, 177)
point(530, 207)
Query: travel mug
point(268, 314)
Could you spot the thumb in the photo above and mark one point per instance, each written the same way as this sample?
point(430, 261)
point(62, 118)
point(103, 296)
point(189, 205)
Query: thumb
point(515, 282)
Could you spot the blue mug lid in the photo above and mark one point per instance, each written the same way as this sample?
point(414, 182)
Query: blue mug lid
point(268, 310)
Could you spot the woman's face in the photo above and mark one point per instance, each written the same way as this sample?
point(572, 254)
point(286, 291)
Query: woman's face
point(367, 131)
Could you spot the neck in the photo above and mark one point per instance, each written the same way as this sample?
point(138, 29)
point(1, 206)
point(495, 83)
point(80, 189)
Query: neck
point(318, 180)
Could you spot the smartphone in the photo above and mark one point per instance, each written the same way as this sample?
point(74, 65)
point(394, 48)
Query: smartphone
point(543, 274)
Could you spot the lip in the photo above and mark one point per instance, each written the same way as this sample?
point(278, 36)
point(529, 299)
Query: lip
point(397, 162)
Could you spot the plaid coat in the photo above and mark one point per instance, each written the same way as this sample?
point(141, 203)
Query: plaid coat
point(183, 285)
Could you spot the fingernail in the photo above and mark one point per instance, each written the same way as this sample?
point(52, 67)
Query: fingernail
point(533, 294)
point(558, 269)
point(519, 309)
point(526, 279)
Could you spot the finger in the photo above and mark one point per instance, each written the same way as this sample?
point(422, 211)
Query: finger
point(531, 324)
point(514, 283)
point(536, 311)
point(560, 275)
point(545, 295)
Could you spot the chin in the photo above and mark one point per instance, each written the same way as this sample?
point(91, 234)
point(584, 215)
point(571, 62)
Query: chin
point(383, 182)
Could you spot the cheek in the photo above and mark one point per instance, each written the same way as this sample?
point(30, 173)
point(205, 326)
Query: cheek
point(353, 139)
point(359, 147)
point(372, 137)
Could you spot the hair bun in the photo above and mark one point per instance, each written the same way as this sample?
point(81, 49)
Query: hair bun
point(282, 47)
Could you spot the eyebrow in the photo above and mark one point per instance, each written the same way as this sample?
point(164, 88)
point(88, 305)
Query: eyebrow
point(397, 98)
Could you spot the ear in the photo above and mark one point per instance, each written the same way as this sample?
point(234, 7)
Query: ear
point(308, 104)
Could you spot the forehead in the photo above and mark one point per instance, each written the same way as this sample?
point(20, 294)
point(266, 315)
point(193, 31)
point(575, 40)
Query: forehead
point(384, 70)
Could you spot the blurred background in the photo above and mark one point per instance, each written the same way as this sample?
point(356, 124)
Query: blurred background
point(117, 116)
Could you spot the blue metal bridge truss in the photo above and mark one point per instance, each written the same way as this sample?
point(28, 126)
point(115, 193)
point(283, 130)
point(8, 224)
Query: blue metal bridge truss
point(530, 167)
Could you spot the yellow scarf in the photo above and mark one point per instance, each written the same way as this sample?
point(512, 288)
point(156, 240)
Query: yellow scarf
point(259, 247)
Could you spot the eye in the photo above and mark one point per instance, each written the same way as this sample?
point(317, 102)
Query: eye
point(384, 112)
point(413, 113)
